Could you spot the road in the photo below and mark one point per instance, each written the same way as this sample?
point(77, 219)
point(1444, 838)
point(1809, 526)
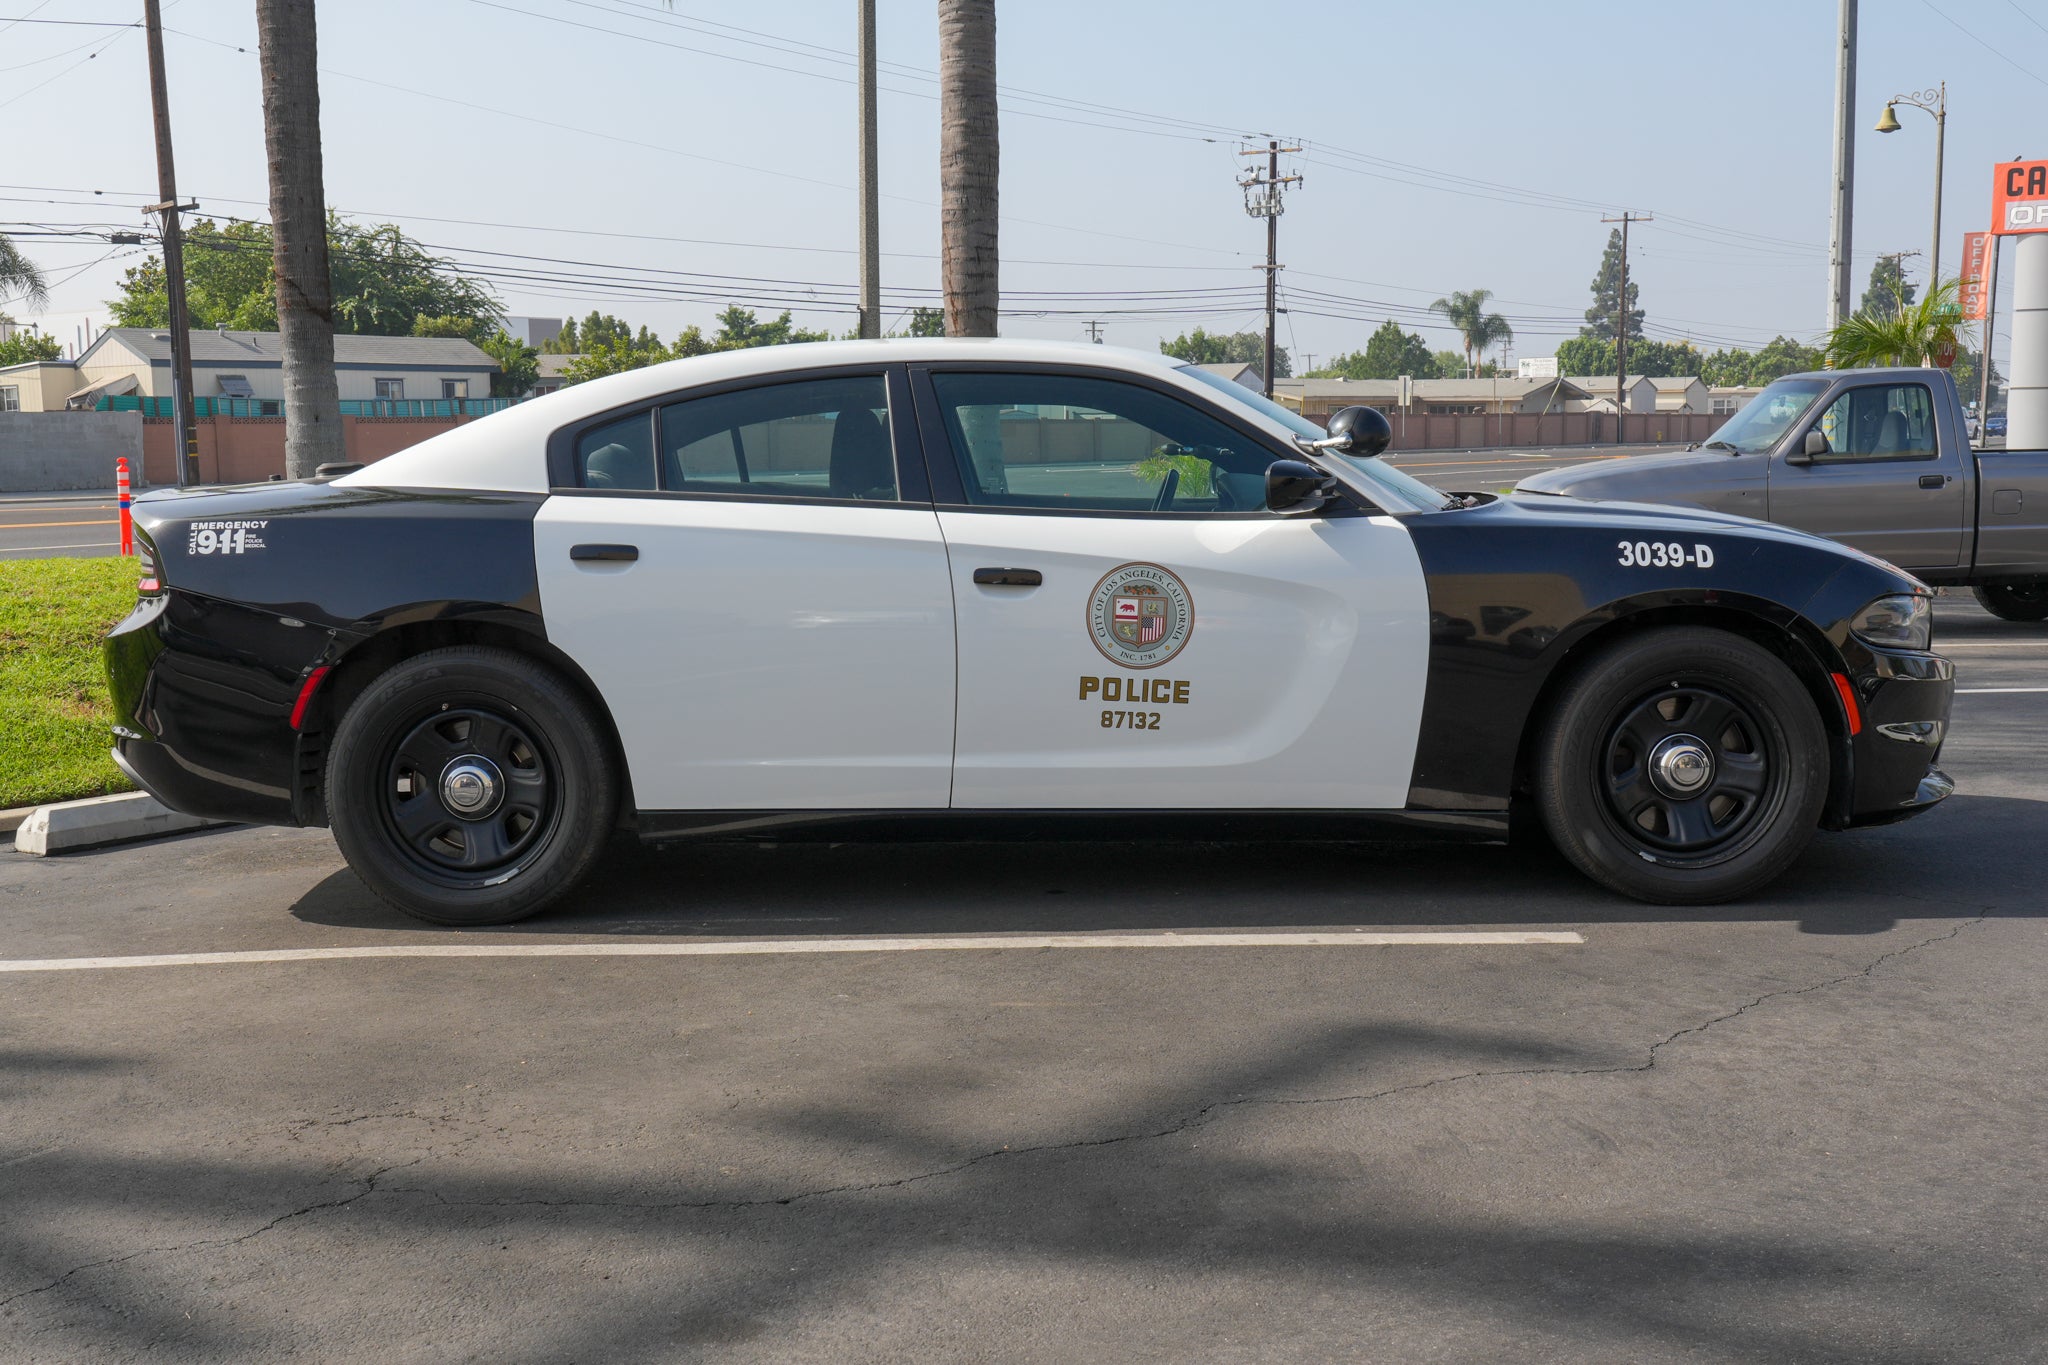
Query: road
point(1804, 1128)
point(41, 526)
point(1489, 471)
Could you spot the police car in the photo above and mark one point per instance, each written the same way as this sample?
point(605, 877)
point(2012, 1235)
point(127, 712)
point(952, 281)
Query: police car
point(990, 586)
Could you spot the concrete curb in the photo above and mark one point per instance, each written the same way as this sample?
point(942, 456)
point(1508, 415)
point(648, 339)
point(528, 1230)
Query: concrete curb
point(11, 818)
point(70, 826)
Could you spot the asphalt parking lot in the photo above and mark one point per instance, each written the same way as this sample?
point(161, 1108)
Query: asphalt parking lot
point(45, 526)
point(664, 1125)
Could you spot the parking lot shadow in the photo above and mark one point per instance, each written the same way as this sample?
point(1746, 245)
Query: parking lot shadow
point(1955, 860)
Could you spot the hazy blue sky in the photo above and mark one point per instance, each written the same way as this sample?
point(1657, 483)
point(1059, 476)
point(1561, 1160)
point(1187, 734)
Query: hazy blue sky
point(572, 119)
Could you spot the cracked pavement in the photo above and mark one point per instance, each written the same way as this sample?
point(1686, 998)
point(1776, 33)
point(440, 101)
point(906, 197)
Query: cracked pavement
point(1805, 1128)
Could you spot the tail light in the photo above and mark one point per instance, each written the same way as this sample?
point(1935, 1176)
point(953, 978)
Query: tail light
point(149, 583)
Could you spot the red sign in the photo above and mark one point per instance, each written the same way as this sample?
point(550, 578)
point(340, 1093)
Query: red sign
point(2019, 197)
point(1974, 289)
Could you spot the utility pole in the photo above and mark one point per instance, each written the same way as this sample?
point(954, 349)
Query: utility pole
point(1262, 199)
point(870, 184)
point(1621, 322)
point(1094, 331)
point(1990, 325)
point(1842, 208)
point(185, 452)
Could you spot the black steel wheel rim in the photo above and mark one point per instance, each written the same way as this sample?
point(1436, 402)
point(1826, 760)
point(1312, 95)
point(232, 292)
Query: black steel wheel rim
point(474, 754)
point(1687, 770)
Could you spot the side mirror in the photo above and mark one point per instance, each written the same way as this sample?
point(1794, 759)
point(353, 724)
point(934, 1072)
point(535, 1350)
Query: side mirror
point(1357, 431)
point(1814, 444)
point(1294, 489)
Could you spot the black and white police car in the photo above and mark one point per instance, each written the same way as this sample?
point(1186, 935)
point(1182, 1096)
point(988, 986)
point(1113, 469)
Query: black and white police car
point(877, 587)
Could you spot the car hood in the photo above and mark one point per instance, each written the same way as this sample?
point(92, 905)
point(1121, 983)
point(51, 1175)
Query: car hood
point(1606, 478)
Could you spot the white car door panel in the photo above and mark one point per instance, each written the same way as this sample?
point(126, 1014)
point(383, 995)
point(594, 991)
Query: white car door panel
point(1299, 684)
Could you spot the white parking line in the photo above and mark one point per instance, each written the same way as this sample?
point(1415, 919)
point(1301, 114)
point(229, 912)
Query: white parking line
point(1979, 691)
point(759, 947)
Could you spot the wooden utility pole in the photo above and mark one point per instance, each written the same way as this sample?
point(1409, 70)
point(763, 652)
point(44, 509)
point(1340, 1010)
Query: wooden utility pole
point(1262, 199)
point(1621, 323)
point(185, 447)
point(870, 183)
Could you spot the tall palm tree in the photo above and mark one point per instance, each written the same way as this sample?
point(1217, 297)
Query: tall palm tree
point(967, 165)
point(1465, 310)
point(1910, 335)
point(287, 45)
point(19, 274)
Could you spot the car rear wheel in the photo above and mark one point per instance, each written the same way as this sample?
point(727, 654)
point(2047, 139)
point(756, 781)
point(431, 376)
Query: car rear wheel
point(2026, 601)
point(470, 786)
point(1686, 766)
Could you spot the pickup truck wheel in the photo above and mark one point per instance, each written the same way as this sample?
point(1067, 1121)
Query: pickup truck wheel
point(2026, 601)
point(470, 786)
point(1685, 766)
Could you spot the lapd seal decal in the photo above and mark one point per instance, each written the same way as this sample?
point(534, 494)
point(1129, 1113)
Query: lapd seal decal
point(1140, 615)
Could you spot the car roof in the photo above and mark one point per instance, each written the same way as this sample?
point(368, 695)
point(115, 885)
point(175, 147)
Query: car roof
point(507, 450)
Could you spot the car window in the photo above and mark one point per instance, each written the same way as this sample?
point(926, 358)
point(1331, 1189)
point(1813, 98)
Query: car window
point(820, 438)
point(1072, 442)
point(618, 455)
point(1880, 422)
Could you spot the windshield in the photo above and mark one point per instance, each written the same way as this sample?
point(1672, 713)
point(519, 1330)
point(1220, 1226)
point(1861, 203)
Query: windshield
point(1768, 416)
point(1409, 490)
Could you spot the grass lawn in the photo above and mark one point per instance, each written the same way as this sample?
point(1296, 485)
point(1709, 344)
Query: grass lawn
point(54, 712)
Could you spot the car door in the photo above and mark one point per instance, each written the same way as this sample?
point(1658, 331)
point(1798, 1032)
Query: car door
point(759, 597)
point(1886, 484)
point(1136, 631)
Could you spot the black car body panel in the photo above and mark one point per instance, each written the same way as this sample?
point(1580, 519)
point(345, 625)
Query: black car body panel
point(206, 672)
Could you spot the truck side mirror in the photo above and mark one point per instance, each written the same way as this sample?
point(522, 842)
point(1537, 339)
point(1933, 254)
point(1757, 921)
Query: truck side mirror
point(1295, 489)
point(1814, 444)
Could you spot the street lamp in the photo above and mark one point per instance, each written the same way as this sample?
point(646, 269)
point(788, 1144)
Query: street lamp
point(1935, 102)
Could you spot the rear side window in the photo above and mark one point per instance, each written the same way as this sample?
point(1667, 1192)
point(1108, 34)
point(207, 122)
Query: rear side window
point(818, 438)
point(618, 455)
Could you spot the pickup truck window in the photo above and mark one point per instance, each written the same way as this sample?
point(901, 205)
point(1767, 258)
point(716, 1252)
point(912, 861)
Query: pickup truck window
point(1880, 422)
point(1769, 415)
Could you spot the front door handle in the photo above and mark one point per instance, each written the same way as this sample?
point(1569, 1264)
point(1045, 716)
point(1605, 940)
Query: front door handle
point(620, 554)
point(1934, 480)
point(1008, 578)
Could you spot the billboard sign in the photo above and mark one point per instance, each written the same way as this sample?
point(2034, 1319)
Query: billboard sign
point(2019, 197)
point(1973, 290)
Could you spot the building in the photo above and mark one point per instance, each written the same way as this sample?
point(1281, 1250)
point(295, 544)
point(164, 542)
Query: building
point(1731, 397)
point(250, 366)
point(551, 368)
point(36, 385)
point(533, 331)
point(1639, 391)
point(1682, 393)
point(1240, 372)
point(1316, 399)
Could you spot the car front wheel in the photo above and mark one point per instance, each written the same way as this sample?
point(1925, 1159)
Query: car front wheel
point(470, 786)
point(2027, 601)
point(1686, 766)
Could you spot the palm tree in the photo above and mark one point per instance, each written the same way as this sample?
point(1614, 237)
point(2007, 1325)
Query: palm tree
point(1909, 335)
point(1465, 310)
point(967, 165)
point(18, 273)
point(287, 45)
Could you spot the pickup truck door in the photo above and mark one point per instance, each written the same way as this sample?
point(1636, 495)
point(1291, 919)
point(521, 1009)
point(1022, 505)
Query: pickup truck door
point(1890, 482)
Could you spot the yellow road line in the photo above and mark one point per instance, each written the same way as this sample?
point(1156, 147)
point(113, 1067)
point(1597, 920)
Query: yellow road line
point(33, 525)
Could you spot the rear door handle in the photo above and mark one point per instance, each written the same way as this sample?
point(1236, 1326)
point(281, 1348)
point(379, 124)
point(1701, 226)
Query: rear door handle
point(1934, 480)
point(625, 554)
point(1008, 578)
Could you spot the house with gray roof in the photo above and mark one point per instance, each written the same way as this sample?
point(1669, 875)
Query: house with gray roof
point(250, 365)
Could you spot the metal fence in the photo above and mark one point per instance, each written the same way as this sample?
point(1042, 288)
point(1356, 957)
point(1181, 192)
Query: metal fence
point(274, 407)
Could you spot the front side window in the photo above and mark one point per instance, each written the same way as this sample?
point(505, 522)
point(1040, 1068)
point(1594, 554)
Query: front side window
point(390, 388)
point(1880, 422)
point(1077, 443)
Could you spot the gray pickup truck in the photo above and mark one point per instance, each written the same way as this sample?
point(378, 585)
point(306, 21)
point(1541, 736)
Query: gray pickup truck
point(1878, 459)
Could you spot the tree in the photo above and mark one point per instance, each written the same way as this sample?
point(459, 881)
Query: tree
point(1908, 336)
point(383, 283)
point(1607, 306)
point(968, 162)
point(518, 364)
point(19, 274)
point(1236, 348)
point(927, 322)
point(738, 330)
point(1583, 355)
point(287, 48)
point(1888, 291)
point(25, 346)
point(1389, 353)
point(1466, 311)
point(1781, 357)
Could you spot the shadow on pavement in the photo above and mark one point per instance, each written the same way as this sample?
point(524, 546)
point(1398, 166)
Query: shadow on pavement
point(1954, 861)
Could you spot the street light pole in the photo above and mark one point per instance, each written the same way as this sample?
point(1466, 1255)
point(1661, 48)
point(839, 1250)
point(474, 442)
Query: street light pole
point(1935, 102)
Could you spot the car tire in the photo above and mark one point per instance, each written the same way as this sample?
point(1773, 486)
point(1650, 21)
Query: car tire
point(471, 786)
point(2027, 601)
point(1643, 805)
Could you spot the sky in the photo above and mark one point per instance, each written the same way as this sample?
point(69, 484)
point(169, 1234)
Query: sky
point(659, 161)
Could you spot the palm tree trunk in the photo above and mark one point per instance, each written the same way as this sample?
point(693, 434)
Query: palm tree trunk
point(287, 44)
point(968, 162)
